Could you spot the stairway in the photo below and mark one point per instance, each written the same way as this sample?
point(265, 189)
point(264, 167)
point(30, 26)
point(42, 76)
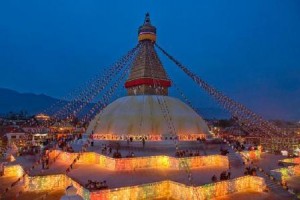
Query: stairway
point(275, 188)
point(234, 158)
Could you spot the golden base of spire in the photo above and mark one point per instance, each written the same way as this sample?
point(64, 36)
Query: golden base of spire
point(147, 36)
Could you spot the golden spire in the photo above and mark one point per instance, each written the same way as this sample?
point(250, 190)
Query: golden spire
point(147, 31)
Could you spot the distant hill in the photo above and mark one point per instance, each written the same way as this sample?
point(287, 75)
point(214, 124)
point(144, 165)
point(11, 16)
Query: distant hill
point(13, 101)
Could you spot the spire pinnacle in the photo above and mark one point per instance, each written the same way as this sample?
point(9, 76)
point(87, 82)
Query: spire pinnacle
point(147, 31)
point(147, 19)
point(147, 75)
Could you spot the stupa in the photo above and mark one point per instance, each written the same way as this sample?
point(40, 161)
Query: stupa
point(143, 113)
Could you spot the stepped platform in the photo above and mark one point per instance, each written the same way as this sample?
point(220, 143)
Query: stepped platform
point(139, 182)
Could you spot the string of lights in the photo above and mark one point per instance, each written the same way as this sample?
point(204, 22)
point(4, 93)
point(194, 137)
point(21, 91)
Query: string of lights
point(246, 118)
point(167, 116)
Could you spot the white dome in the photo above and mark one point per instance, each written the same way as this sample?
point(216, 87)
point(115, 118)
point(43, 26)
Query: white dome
point(142, 115)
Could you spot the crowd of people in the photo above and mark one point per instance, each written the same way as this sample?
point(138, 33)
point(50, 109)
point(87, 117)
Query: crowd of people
point(223, 176)
point(106, 150)
point(117, 154)
point(224, 152)
point(241, 146)
point(129, 140)
point(186, 153)
point(64, 142)
point(29, 150)
point(250, 171)
point(96, 185)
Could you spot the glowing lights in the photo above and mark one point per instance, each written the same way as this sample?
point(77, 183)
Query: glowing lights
point(161, 162)
point(13, 170)
point(154, 137)
point(53, 182)
point(286, 172)
point(252, 154)
point(292, 160)
point(40, 183)
point(163, 189)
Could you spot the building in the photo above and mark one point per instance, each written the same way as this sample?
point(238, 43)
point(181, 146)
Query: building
point(147, 112)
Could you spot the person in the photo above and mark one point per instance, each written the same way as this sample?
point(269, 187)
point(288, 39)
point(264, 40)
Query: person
point(228, 175)
point(47, 163)
point(214, 178)
point(1, 169)
point(88, 185)
point(93, 185)
point(222, 176)
point(43, 163)
point(98, 185)
point(253, 171)
point(92, 143)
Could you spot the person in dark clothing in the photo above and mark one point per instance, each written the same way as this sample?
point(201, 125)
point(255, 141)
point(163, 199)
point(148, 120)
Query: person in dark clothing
point(143, 141)
point(228, 175)
point(47, 163)
point(1, 169)
point(214, 178)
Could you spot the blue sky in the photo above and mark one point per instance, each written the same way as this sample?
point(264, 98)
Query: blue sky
point(250, 50)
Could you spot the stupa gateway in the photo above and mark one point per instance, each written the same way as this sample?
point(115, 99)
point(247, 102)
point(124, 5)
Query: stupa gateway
point(147, 111)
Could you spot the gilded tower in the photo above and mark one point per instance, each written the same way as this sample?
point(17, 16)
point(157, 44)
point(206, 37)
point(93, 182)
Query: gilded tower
point(147, 75)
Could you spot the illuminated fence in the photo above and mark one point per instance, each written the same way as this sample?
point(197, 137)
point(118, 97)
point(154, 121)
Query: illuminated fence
point(53, 182)
point(165, 162)
point(145, 191)
point(163, 189)
point(46, 182)
point(13, 170)
point(213, 190)
point(287, 172)
point(292, 160)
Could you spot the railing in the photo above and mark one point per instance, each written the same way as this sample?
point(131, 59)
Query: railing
point(159, 162)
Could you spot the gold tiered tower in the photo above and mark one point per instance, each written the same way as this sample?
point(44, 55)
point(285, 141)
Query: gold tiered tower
point(147, 76)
